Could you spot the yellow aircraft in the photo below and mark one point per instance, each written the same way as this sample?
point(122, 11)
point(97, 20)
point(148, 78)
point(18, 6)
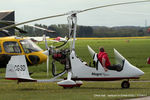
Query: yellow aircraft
point(13, 45)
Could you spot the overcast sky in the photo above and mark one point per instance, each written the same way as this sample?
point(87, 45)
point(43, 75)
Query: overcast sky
point(125, 15)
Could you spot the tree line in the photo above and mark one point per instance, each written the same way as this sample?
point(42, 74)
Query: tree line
point(87, 31)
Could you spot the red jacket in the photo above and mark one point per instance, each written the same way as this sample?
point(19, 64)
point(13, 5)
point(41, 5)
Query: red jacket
point(104, 55)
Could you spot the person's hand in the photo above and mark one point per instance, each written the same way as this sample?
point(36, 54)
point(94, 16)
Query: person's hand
point(105, 69)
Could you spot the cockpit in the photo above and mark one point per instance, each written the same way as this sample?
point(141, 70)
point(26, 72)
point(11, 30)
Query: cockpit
point(29, 46)
point(11, 47)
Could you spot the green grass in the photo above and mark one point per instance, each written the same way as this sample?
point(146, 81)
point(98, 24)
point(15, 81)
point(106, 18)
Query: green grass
point(89, 91)
point(135, 51)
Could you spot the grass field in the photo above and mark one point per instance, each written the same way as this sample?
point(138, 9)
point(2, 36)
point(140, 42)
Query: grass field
point(89, 91)
point(135, 51)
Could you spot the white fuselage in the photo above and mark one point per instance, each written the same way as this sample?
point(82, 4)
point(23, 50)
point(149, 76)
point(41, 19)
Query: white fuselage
point(80, 71)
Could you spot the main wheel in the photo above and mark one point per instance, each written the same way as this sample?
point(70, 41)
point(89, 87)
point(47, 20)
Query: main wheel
point(125, 84)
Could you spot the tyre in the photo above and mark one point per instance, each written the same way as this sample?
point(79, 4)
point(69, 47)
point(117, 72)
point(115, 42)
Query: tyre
point(125, 84)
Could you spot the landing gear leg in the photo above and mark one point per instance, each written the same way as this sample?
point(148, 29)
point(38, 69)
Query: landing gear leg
point(67, 83)
point(125, 84)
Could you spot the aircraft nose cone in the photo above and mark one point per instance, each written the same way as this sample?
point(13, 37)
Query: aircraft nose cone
point(46, 52)
point(137, 72)
point(141, 72)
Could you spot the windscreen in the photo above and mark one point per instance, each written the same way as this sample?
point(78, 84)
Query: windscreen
point(29, 46)
point(119, 58)
point(11, 47)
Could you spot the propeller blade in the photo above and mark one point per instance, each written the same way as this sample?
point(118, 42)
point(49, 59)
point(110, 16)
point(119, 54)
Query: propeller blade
point(47, 66)
point(47, 62)
point(45, 40)
point(47, 53)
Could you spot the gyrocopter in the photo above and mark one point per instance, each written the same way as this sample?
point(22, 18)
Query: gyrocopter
point(77, 71)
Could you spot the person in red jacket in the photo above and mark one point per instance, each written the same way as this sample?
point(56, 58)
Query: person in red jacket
point(103, 58)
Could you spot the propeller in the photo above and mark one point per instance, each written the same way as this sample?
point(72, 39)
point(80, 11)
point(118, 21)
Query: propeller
point(47, 53)
point(72, 12)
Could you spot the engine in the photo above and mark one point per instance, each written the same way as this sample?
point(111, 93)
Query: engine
point(61, 55)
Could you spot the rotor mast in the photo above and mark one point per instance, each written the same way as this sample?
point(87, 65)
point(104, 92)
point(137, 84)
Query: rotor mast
point(72, 19)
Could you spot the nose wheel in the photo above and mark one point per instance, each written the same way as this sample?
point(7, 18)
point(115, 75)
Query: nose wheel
point(125, 84)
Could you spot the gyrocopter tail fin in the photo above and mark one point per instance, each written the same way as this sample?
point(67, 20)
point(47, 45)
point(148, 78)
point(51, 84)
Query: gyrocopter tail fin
point(17, 69)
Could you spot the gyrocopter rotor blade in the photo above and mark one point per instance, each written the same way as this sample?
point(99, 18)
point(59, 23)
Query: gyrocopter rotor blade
point(115, 4)
point(44, 29)
point(13, 25)
point(72, 12)
point(8, 23)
